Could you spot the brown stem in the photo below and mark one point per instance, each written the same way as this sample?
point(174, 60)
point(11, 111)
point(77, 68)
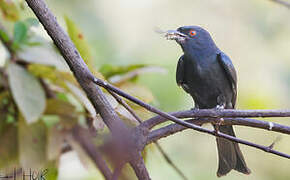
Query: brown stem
point(169, 161)
point(139, 167)
point(85, 140)
point(228, 118)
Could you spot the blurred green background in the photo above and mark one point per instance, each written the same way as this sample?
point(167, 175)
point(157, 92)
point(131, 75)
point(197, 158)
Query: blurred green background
point(254, 33)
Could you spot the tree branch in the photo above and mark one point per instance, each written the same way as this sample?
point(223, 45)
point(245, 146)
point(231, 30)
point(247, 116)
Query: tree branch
point(82, 73)
point(117, 171)
point(139, 167)
point(209, 113)
point(94, 93)
point(283, 3)
point(174, 128)
point(76, 64)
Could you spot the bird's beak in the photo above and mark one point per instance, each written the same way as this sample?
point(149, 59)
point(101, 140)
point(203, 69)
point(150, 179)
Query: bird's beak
point(175, 35)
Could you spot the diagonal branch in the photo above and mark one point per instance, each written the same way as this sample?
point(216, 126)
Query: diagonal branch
point(82, 74)
point(174, 128)
point(76, 63)
point(282, 2)
point(207, 113)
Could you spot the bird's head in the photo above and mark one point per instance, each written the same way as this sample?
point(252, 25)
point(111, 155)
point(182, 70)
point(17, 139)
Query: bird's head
point(191, 38)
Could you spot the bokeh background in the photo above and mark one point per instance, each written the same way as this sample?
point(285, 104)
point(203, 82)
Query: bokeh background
point(254, 33)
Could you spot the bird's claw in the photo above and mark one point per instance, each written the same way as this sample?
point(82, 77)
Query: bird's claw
point(220, 107)
point(219, 121)
point(195, 108)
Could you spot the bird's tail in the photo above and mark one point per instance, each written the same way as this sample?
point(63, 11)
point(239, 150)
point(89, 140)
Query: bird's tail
point(230, 155)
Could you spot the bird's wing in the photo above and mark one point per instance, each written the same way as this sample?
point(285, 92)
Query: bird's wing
point(180, 71)
point(229, 68)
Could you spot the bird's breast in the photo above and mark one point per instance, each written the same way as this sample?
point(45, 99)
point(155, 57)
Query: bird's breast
point(206, 80)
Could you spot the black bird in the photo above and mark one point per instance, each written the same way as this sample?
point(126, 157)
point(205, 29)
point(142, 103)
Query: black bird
point(208, 75)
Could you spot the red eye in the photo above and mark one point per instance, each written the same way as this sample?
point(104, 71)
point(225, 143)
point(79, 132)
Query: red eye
point(192, 33)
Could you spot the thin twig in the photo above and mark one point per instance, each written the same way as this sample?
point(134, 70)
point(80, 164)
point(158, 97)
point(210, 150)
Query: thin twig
point(126, 106)
point(159, 147)
point(169, 161)
point(283, 3)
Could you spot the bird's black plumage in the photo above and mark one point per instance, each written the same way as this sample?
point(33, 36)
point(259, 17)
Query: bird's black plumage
point(208, 75)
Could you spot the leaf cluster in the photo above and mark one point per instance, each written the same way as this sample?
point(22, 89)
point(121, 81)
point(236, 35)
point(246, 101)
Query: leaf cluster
point(40, 100)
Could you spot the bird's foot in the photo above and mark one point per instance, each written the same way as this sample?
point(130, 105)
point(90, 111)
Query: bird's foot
point(216, 129)
point(219, 121)
point(194, 108)
point(220, 107)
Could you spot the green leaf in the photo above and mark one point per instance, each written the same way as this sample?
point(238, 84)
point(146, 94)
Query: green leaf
point(78, 39)
point(81, 96)
point(20, 33)
point(66, 112)
point(31, 22)
point(133, 74)
point(10, 118)
point(27, 92)
point(109, 70)
point(44, 54)
point(4, 35)
point(32, 144)
point(50, 120)
point(9, 10)
point(51, 167)
point(51, 73)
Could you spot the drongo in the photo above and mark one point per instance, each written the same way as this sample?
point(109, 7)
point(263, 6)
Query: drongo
point(208, 75)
